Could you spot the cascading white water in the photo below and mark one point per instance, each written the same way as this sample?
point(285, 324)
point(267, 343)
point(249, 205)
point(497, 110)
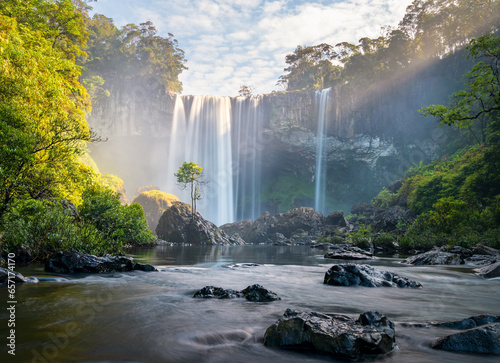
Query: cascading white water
point(323, 101)
point(201, 133)
point(248, 144)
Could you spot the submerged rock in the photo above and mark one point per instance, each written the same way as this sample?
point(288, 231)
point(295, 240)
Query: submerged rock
point(75, 262)
point(180, 224)
point(364, 275)
point(484, 339)
point(212, 292)
point(469, 323)
point(252, 293)
point(336, 335)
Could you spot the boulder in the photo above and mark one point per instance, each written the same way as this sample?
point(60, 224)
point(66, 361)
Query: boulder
point(484, 339)
point(154, 203)
point(389, 219)
point(242, 228)
point(180, 224)
point(345, 252)
point(436, 256)
point(251, 293)
point(76, 262)
point(258, 293)
point(24, 255)
point(16, 277)
point(289, 222)
point(337, 335)
point(489, 271)
point(336, 219)
point(364, 275)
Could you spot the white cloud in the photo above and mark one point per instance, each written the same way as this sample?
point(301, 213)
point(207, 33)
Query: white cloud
point(230, 42)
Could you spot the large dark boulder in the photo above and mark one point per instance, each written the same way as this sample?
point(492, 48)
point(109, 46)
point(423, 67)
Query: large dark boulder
point(303, 218)
point(484, 339)
point(336, 219)
point(365, 275)
point(180, 224)
point(76, 262)
point(337, 335)
point(252, 293)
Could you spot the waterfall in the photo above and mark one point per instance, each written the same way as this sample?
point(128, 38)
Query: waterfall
point(223, 136)
point(201, 133)
point(247, 138)
point(322, 100)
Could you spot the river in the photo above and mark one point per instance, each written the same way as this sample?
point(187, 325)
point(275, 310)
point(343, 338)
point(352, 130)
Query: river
point(152, 316)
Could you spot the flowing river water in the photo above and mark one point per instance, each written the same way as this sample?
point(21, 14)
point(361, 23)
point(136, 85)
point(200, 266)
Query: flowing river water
point(152, 316)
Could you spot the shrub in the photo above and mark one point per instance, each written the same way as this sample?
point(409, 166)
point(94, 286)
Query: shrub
point(121, 224)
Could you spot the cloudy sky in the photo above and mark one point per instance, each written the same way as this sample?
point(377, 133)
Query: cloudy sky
point(228, 43)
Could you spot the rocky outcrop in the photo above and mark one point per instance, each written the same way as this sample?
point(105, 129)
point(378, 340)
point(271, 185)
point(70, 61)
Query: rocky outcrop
point(436, 256)
point(364, 275)
point(336, 335)
point(346, 252)
point(75, 262)
point(180, 224)
point(154, 203)
point(252, 293)
point(484, 339)
point(382, 219)
point(283, 228)
point(456, 255)
point(15, 277)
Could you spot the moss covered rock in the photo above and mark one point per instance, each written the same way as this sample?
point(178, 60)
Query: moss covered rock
point(154, 203)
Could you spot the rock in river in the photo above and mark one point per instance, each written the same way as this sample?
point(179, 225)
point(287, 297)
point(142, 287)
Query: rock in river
point(343, 252)
point(350, 274)
point(16, 277)
point(252, 293)
point(484, 339)
point(336, 335)
point(437, 256)
point(76, 262)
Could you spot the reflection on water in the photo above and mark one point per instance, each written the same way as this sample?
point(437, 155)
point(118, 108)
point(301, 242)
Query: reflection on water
point(152, 317)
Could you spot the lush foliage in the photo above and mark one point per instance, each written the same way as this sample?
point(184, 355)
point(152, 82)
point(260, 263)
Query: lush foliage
point(429, 29)
point(120, 224)
point(154, 203)
point(134, 54)
point(457, 198)
point(44, 166)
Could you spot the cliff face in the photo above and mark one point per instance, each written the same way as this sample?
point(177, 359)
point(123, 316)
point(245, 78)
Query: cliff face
point(371, 135)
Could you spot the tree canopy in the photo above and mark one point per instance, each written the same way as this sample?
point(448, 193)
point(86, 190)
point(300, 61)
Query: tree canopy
point(429, 29)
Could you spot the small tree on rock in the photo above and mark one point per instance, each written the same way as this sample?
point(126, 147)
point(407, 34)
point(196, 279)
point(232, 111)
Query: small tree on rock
point(190, 174)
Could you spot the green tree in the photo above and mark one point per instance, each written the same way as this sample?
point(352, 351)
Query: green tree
point(310, 68)
point(190, 174)
point(42, 124)
point(480, 101)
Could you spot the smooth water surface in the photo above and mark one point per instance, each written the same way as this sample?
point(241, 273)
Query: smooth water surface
point(152, 317)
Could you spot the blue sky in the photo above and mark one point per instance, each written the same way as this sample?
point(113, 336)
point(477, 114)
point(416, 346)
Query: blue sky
point(228, 43)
